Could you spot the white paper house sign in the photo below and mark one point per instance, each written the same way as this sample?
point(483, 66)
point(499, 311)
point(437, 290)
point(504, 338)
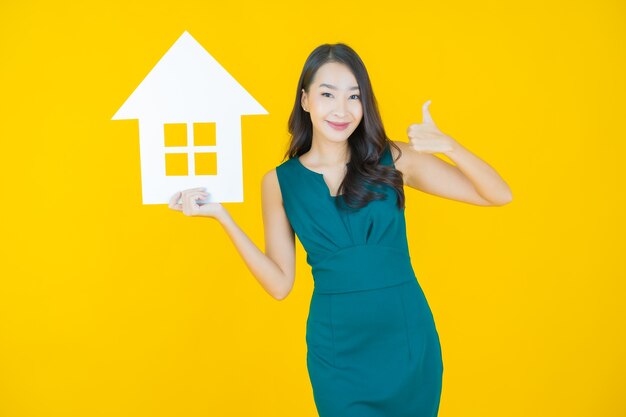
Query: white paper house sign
point(189, 110)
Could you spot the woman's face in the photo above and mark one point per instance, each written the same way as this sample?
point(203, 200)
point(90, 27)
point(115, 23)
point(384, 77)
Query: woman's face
point(334, 102)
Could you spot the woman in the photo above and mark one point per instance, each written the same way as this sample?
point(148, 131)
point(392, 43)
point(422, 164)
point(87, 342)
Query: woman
point(373, 347)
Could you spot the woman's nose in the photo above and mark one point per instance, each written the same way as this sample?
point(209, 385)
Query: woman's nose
point(340, 109)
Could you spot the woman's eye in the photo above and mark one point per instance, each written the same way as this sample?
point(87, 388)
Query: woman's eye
point(358, 97)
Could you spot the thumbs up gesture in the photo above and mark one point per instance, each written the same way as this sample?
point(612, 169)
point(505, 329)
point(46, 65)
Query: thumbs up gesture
point(426, 136)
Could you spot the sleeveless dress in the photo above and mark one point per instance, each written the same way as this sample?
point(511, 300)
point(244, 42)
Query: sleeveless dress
point(372, 346)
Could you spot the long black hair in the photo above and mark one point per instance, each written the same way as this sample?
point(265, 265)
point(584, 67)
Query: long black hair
point(368, 141)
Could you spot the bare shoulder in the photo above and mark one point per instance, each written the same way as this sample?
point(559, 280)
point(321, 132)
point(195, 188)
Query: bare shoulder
point(401, 157)
point(270, 187)
point(274, 213)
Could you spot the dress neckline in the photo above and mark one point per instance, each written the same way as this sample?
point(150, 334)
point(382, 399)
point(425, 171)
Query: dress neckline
point(318, 175)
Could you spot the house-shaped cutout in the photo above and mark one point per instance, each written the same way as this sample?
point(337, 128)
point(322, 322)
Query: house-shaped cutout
point(189, 89)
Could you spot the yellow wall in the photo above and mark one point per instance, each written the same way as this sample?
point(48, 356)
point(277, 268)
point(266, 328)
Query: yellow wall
point(112, 308)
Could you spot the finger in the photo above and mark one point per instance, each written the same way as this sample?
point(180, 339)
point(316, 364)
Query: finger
point(190, 198)
point(174, 199)
point(426, 117)
point(196, 195)
point(175, 205)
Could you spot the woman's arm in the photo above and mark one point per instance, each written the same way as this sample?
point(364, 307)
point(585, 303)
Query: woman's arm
point(472, 180)
point(275, 269)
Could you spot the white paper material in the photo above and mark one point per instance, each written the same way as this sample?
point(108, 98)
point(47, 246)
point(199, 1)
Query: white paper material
point(188, 85)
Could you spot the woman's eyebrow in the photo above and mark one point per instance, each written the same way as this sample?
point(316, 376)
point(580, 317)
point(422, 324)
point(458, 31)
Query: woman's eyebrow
point(334, 88)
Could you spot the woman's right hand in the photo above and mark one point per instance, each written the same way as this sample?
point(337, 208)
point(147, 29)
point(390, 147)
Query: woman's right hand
point(190, 207)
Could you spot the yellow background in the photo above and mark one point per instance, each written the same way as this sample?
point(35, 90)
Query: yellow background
point(113, 308)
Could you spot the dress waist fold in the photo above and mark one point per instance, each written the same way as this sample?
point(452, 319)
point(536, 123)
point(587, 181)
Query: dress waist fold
point(362, 267)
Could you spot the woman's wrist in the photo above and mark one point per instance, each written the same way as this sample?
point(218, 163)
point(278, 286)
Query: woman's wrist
point(222, 215)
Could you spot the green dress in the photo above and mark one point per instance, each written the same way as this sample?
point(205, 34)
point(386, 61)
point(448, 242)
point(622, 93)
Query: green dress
point(372, 346)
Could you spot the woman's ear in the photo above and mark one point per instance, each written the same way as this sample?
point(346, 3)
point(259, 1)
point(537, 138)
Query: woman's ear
point(304, 100)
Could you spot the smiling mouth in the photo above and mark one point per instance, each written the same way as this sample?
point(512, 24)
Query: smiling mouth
point(338, 124)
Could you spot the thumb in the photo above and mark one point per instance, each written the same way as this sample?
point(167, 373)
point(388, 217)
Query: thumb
point(426, 117)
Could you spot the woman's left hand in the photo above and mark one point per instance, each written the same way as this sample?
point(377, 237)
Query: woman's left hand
point(426, 136)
